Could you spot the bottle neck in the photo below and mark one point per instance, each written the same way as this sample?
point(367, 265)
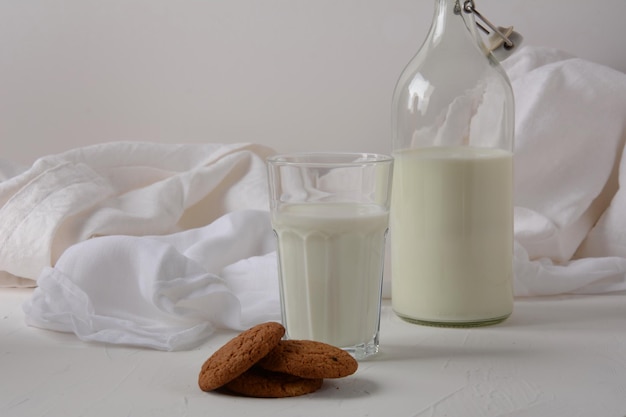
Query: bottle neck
point(451, 23)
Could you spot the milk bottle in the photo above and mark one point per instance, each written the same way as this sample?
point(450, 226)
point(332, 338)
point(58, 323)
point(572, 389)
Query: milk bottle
point(451, 220)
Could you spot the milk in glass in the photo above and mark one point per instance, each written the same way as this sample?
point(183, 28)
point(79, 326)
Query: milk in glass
point(331, 264)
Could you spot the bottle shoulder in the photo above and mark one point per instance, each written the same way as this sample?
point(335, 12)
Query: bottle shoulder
point(450, 76)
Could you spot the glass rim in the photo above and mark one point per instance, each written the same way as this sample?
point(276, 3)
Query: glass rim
point(329, 158)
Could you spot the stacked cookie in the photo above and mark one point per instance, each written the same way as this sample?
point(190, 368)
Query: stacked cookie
point(257, 363)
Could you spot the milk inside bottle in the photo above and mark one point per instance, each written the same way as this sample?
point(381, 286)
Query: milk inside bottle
point(452, 235)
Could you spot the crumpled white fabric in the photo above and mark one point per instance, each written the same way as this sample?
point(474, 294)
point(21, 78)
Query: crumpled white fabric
point(143, 244)
point(570, 134)
point(122, 188)
point(157, 245)
point(164, 292)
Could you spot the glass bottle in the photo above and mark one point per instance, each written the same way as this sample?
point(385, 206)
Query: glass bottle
point(451, 220)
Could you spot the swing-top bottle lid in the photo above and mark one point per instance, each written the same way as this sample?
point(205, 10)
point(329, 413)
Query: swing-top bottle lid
point(502, 41)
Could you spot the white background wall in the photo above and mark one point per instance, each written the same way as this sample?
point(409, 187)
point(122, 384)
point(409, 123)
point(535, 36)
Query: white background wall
point(292, 74)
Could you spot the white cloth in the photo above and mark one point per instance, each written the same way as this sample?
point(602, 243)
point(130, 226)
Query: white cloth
point(164, 292)
point(122, 188)
point(570, 134)
point(152, 245)
point(157, 245)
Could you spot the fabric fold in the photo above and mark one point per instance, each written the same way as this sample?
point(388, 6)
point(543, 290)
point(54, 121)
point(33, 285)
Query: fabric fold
point(570, 135)
point(165, 292)
point(570, 130)
point(122, 188)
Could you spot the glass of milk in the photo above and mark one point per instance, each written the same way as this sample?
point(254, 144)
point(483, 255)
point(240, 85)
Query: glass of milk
point(330, 213)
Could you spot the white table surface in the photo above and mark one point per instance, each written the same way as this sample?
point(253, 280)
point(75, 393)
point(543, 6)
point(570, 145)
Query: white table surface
point(555, 356)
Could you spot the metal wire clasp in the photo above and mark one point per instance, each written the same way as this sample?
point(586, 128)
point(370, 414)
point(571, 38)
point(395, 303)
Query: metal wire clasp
point(470, 7)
